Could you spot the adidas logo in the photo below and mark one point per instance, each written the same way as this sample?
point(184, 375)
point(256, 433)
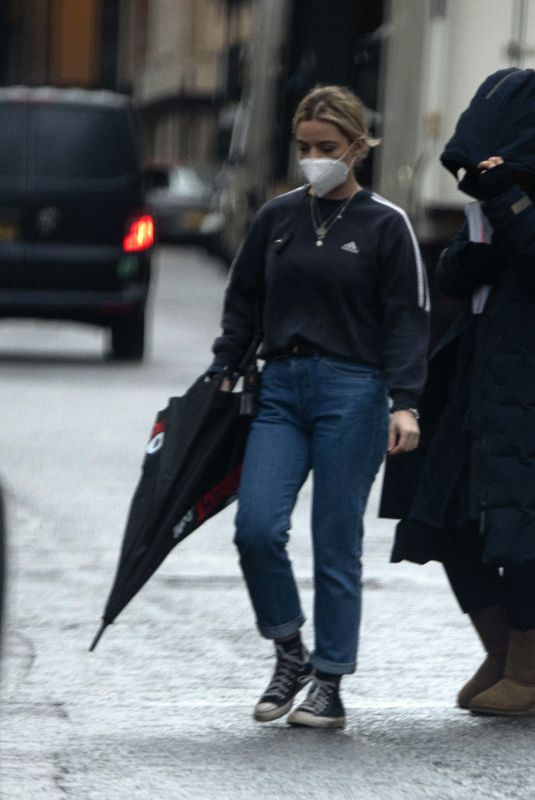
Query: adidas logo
point(350, 247)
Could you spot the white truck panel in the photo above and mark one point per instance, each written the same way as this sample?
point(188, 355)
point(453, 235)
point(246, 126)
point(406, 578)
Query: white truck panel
point(477, 34)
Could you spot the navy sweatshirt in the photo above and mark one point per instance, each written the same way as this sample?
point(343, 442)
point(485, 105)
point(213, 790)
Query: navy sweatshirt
point(362, 296)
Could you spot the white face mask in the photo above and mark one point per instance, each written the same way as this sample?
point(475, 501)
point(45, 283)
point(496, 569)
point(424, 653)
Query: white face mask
point(325, 174)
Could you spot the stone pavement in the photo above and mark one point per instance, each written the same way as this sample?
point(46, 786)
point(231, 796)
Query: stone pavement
point(162, 708)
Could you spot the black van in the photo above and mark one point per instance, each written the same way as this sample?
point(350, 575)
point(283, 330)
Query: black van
point(75, 240)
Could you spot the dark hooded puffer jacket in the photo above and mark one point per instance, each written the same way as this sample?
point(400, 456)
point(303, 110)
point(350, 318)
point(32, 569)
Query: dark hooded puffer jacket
point(498, 412)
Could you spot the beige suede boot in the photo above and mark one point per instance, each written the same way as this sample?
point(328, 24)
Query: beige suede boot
point(490, 672)
point(514, 695)
point(492, 625)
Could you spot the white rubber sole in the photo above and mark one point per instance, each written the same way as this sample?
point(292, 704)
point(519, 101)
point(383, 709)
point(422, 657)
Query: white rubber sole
point(269, 715)
point(305, 719)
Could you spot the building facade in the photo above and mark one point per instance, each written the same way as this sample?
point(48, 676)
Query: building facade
point(59, 42)
point(179, 59)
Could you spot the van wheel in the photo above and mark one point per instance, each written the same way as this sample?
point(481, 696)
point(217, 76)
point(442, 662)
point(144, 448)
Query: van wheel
point(128, 338)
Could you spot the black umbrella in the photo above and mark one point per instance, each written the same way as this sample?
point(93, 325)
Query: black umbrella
point(190, 472)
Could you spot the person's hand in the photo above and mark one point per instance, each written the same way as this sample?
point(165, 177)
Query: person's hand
point(403, 433)
point(490, 163)
point(226, 383)
point(489, 179)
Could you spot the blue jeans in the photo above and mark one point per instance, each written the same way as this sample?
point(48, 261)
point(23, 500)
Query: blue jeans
point(328, 415)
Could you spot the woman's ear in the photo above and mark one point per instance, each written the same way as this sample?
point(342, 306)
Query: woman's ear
point(357, 147)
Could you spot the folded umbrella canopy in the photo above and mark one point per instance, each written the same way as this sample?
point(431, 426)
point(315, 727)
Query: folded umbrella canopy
point(190, 472)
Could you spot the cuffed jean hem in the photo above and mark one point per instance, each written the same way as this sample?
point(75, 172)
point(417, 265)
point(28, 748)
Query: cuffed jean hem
point(331, 667)
point(281, 631)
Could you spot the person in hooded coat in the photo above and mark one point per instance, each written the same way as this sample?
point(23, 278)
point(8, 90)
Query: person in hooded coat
point(474, 506)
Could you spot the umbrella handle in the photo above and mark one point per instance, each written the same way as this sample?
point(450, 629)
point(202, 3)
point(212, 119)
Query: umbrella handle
point(100, 631)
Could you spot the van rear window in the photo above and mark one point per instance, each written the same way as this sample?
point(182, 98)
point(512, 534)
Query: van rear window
point(81, 142)
point(12, 140)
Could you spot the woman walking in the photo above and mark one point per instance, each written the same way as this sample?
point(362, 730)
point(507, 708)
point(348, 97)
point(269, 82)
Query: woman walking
point(474, 508)
point(335, 277)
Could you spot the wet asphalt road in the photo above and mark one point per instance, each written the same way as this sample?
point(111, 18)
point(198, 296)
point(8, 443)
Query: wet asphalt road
point(162, 709)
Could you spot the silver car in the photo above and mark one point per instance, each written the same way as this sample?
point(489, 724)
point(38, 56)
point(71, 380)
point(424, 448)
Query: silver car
point(182, 200)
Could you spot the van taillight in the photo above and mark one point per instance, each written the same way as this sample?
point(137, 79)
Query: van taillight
point(140, 234)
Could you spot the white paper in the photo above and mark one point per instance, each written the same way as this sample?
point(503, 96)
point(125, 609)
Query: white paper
point(479, 230)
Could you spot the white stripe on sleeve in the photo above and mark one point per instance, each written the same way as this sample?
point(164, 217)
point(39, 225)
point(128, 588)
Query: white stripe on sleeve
point(421, 277)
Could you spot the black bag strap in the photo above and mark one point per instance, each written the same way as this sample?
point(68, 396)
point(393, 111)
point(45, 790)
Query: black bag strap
point(249, 359)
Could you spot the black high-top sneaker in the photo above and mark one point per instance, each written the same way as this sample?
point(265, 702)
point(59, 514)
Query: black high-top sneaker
point(292, 672)
point(322, 708)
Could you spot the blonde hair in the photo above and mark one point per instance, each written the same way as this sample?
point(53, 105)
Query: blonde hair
point(339, 106)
